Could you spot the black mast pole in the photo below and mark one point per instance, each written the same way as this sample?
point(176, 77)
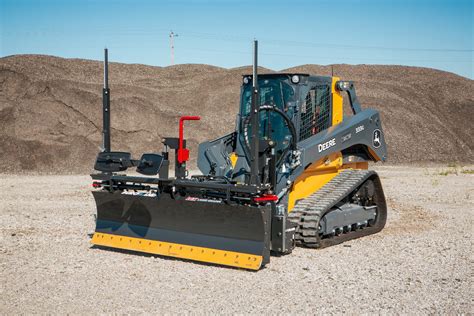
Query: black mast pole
point(254, 148)
point(106, 104)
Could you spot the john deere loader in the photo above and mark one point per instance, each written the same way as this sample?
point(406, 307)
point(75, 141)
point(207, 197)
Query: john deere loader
point(294, 172)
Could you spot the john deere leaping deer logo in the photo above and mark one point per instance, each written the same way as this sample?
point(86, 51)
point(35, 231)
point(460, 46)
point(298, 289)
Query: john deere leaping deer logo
point(376, 138)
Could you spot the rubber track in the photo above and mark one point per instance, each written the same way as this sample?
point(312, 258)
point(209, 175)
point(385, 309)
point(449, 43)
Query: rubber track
point(308, 212)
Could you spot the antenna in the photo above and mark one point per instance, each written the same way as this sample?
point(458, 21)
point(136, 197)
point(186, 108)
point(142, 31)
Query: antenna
point(332, 71)
point(106, 104)
point(172, 36)
point(254, 156)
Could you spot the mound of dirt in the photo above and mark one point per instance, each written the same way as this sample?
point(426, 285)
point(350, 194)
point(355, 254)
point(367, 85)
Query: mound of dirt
point(50, 109)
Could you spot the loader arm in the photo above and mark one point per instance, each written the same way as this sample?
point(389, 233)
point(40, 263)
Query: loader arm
point(361, 130)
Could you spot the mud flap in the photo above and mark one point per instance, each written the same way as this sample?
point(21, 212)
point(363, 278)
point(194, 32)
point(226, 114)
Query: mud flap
point(217, 233)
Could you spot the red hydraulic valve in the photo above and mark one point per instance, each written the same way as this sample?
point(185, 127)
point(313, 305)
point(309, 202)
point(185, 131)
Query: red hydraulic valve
point(183, 153)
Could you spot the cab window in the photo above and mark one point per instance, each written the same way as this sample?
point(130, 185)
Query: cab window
point(315, 114)
point(273, 92)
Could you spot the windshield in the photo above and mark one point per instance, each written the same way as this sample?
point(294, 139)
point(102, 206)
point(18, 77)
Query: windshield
point(274, 92)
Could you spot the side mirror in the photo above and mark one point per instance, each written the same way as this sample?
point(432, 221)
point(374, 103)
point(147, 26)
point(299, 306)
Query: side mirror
point(113, 161)
point(150, 164)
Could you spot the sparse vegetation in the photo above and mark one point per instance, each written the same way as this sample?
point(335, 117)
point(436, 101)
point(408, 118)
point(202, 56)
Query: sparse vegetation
point(453, 165)
point(454, 170)
point(448, 172)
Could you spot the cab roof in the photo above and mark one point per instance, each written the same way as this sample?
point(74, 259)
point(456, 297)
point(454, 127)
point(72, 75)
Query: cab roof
point(305, 77)
point(277, 74)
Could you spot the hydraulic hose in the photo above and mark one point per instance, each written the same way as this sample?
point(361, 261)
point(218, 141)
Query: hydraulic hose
point(288, 121)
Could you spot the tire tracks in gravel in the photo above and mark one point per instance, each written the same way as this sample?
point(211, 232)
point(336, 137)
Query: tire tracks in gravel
point(407, 218)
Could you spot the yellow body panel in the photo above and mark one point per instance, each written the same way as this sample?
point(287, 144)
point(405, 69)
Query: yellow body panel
point(314, 177)
point(337, 100)
point(223, 257)
point(321, 172)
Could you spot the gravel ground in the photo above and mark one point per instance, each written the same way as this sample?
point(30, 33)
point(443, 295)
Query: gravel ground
point(420, 263)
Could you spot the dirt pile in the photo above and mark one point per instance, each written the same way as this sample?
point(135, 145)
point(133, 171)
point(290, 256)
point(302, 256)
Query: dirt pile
point(50, 109)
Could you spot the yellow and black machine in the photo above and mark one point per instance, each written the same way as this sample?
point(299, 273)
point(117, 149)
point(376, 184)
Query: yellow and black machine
point(294, 172)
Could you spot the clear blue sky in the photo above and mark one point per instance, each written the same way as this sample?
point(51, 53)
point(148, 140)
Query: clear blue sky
point(428, 33)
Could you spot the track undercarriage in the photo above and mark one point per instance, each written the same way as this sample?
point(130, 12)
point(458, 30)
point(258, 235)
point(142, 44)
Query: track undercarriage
point(356, 195)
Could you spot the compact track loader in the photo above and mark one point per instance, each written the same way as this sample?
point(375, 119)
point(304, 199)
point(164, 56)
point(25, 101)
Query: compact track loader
point(294, 172)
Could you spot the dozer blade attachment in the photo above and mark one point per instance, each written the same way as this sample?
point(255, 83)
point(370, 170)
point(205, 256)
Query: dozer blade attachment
point(205, 231)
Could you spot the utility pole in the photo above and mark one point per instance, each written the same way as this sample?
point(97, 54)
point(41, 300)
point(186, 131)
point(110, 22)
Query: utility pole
point(172, 36)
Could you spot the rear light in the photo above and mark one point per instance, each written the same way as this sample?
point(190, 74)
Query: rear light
point(96, 184)
point(266, 198)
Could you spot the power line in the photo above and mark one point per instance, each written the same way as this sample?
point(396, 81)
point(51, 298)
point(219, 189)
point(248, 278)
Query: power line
point(322, 57)
point(239, 38)
point(316, 44)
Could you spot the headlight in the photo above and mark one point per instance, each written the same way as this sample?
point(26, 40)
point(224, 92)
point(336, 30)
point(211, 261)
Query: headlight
point(246, 80)
point(295, 79)
point(343, 85)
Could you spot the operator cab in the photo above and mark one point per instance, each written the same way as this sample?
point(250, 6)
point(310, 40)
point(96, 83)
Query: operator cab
point(292, 107)
point(300, 100)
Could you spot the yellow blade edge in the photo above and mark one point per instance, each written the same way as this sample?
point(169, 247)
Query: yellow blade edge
point(209, 255)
